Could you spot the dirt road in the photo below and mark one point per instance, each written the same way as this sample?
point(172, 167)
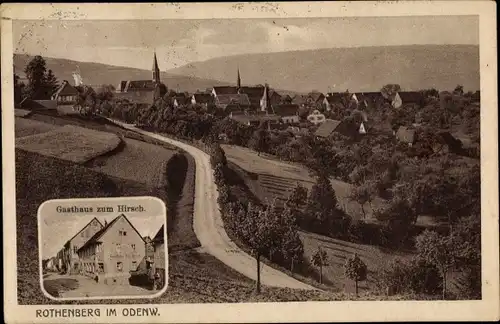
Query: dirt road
point(208, 224)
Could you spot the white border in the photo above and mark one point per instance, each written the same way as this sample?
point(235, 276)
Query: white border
point(110, 199)
point(485, 309)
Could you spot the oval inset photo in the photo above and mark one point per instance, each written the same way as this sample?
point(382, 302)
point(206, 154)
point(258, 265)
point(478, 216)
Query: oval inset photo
point(103, 248)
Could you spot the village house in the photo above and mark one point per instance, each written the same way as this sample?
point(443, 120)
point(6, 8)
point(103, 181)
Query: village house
point(148, 260)
point(255, 95)
point(297, 132)
point(30, 104)
point(181, 99)
point(254, 119)
point(331, 100)
point(112, 253)
point(299, 100)
point(411, 97)
point(406, 135)
point(140, 91)
point(315, 99)
point(289, 113)
point(347, 127)
point(224, 90)
point(69, 255)
point(275, 98)
point(66, 96)
point(160, 262)
point(202, 99)
point(232, 102)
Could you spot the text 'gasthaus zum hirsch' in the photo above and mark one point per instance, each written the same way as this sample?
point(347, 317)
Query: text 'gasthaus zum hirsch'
point(100, 209)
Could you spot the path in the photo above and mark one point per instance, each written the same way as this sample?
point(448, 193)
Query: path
point(90, 288)
point(208, 225)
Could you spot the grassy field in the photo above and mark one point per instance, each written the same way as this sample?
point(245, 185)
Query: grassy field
point(137, 161)
point(27, 127)
point(55, 286)
point(270, 178)
point(21, 112)
point(71, 143)
point(338, 251)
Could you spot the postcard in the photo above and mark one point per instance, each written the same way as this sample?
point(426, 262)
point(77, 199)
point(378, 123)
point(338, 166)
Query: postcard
point(250, 162)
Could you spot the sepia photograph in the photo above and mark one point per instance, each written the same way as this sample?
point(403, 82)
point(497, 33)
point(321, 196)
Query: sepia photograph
point(300, 158)
point(87, 253)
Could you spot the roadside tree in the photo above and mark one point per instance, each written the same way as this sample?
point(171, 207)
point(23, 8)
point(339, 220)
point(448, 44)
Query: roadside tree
point(437, 250)
point(355, 269)
point(320, 260)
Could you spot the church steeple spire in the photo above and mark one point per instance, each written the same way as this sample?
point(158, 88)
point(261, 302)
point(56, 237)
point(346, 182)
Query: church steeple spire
point(156, 70)
point(238, 81)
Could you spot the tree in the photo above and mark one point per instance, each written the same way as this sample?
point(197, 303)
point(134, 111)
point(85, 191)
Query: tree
point(390, 90)
point(298, 197)
point(322, 160)
point(260, 139)
point(320, 260)
point(51, 82)
point(292, 248)
point(18, 90)
point(437, 250)
point(459, 90)
point(258, 232)
point(218, 155)
point(35, 73)
point(322, 205)
point(362, 194)
point(355, 269)
point(106, 92)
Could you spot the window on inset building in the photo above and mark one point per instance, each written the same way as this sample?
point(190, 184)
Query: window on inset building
point(134, 265)
point(133, 247)
point(119, 266)
point(118, 248)
point(101, 267)
point(124, 233)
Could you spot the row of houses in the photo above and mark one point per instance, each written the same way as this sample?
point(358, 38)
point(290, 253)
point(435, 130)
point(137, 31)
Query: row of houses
point(110, 253)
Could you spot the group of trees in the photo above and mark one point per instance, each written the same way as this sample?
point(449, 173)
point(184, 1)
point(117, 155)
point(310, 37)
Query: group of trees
point(439, 255)
point(42, 82)
point(267, 230)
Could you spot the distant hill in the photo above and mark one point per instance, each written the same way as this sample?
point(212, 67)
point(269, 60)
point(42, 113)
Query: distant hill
point(413, 67)
point(98, 74)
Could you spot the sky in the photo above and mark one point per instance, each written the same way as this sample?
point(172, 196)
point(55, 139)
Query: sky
point(178, 42)
point(57, 229)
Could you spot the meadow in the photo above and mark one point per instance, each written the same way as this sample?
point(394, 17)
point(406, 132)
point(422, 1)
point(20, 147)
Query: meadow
point(71, 143)
point(269, 178)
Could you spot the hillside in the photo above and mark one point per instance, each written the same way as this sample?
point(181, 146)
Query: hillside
point(97, 74)
point(357, 69)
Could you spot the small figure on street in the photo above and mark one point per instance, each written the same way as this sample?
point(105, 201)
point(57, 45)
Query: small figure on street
point(156, 281)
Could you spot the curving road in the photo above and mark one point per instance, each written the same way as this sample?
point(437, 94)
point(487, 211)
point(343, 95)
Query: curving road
point(208, 225)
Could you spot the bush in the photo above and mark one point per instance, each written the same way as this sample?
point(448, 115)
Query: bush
point(414, 276)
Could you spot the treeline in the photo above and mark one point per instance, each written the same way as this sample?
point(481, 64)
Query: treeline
point(266, 229)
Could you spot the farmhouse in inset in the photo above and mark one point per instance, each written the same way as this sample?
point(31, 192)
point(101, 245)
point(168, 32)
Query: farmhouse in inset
point(70, 260)
point(113, 252)
point(159, 253)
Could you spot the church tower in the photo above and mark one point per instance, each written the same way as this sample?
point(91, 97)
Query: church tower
point(238, 81)
point(156, 71)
